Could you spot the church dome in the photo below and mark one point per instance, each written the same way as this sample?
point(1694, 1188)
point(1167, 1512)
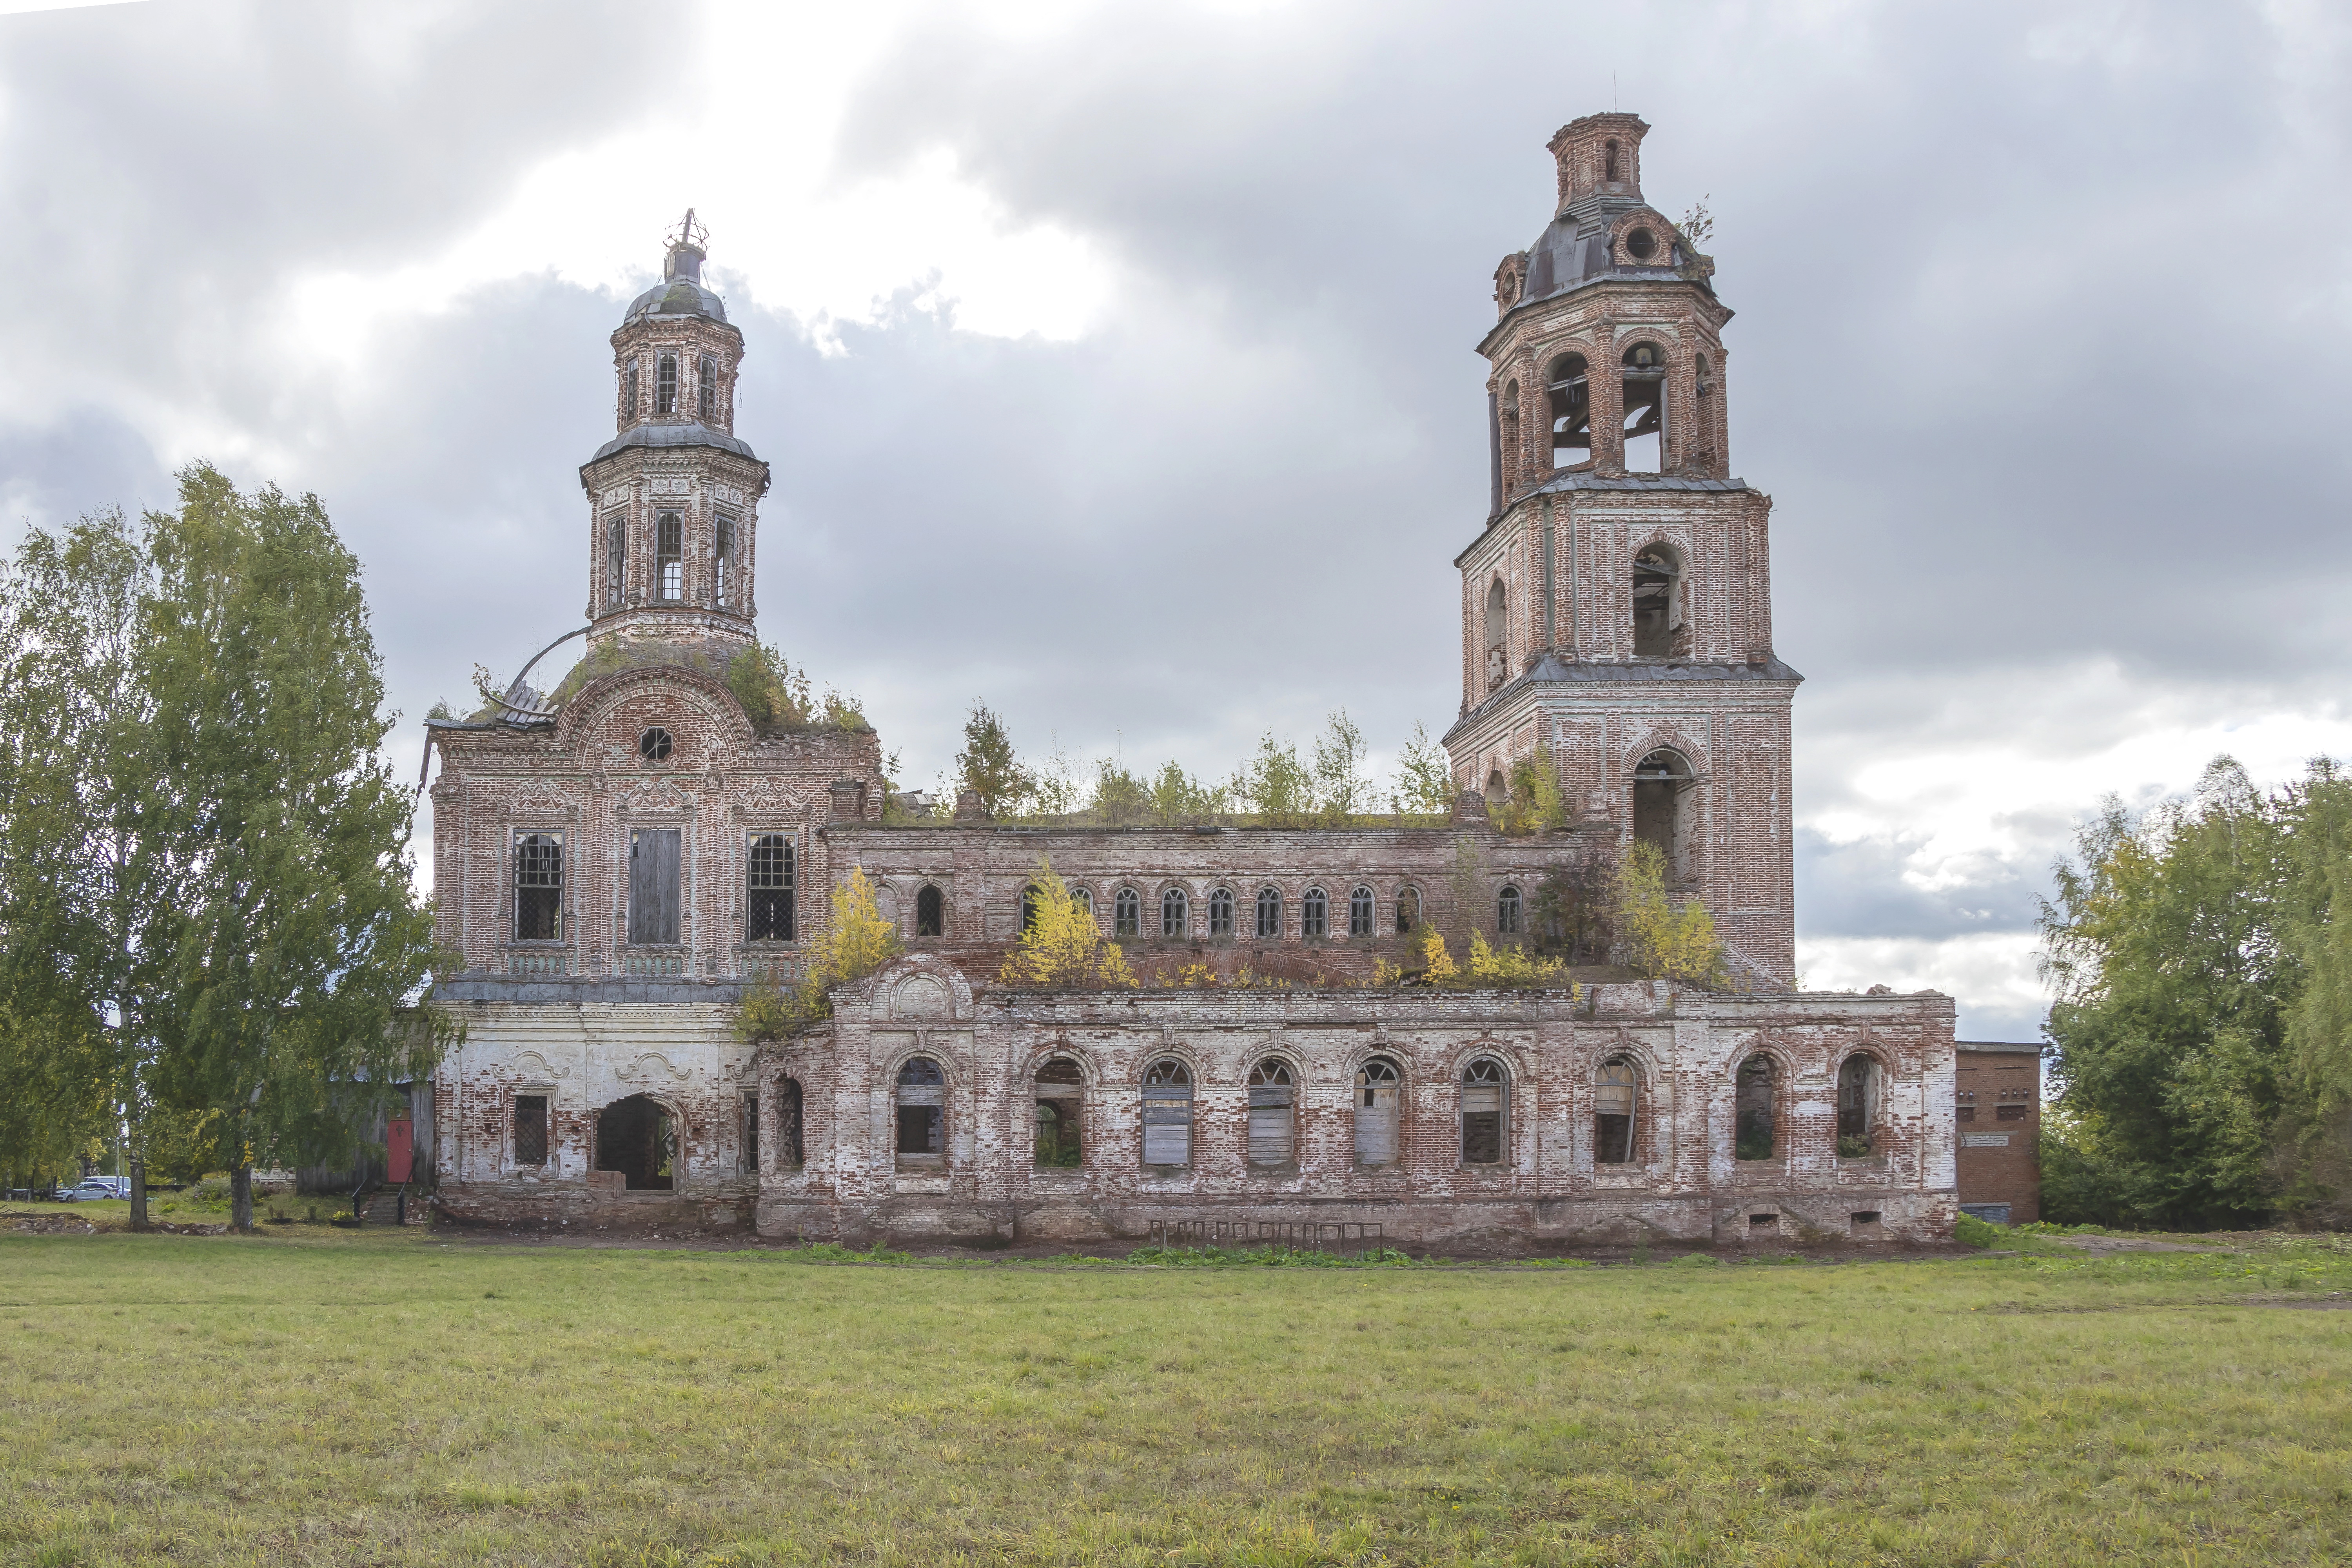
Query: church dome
point(680, 292)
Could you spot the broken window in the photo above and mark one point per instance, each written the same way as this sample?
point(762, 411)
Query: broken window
point(538, 887)
point(788, 1148)
point(724, 558)
point(1270, 914)
point(616, 557)
point(769, 916)
point(1755, 1102)
point(638, 1138)
point(1658, 621)
point(1609, 162)
point(1508, 910)
point(923, 1100)
point(653, 887)
point(750, 1134)
point(629, 392)
point(654, 745)
point(1221, 912)
point(670, 553)
point(930, 912)
point(1315, 913)
point(1174, 917)
point(1084, 898)
point(1616, 1102)
point(1482, 1113)
point(1857, 1107)
point(1030, 900)
point(1509, 436)
point(530, 1130)
point(1570, 388)
point(1271, 1140)
point(1167, 1113)
point(1127, 912)
point(706, 386)
point(1644, 376)
point(1662, 808)
point(1376, 1083)
point(1061, 1102)
point(665, 383)
point(1407, 910)
point(1498, 623)
point(1360, 913)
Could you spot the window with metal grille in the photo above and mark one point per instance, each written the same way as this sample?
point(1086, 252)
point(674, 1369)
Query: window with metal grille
point(670, 553)
point(1315, 913)
point(1269, 913)
point(1616, 1099)
point(629, 392)
point(1360, 913)
point(750, 1134)
point(665, 383)
point(616, 556)
point(1483, 1084)
point(530, 1130)
point(1167, 1113)
point(1221, 912)
point(1507, 912)
point(930, 912)
point(922, 1112)
point(538, 887)
point(769, 917)
point(1127, 913)
point(1376, 1083)
point(1270, 1100)
point(723, 557)
point(706, 386)
point(1173, 920)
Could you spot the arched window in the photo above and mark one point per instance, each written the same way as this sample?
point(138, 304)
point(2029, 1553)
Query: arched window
point(1857, 1107)
point(1609, 162)
point(538, 887)
point(1507, 438)
point(706, 386)
point(1271, 1138)
point(1499, 626)
point(1174, 916)
point(1483, 1084)
point(1507, 913)
point(1659, 625)
point(1360, 913)
point(922, 1114)
point(1571, 390)
point(1085, 898)
point(1127, 913)
point(638, 1137)
point(1497, 790)
point(1167, 1113)
point(1031, 901)
point(1408, 910)
point(1221, 912)
point(723, 557)
point(930, 912)
point(768, 917)
point(665, 383)
point(1269, 915)
point(1755, 1102)
point(1663, 802)
point(616, 557)
point(1644, 376)
point(1376, 1083)
point(1315, 913)
point(1616, 1102)
point(1061, 1107)
point(790, 1150)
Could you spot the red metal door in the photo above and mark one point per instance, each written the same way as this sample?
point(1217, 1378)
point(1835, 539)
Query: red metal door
point(398, 1152)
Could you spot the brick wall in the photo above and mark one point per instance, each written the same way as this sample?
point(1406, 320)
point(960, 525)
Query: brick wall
point(1996, 1092)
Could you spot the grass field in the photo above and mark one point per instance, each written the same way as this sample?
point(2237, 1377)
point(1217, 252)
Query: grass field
point(316, 1395)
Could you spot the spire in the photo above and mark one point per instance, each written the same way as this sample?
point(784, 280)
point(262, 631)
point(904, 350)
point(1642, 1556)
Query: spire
point(690, 244)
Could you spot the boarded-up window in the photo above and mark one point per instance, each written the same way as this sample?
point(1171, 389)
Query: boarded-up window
point(1377, 1085)
point(1755, 1095)
point(922, 1112)
point(1271, 1102)
point(530, 1130)
point(768, 917)
point(930, 912)
point(653, 887)
point(1167, 1113)
point(538, 887)
point(1616, 1102)
point(1061, 1107)
point(1483, 1084)
point(1857, 1107)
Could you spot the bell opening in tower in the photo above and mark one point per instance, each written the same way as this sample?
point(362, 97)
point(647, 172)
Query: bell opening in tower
point(1571, 410)
point(1644, 380)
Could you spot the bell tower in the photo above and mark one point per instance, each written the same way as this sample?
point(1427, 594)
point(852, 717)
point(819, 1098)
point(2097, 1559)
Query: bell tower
point(1616, 605)
point(673, 498)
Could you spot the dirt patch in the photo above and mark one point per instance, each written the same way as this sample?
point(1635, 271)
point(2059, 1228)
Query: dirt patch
point(2335, 1300)
point(2106, 1244)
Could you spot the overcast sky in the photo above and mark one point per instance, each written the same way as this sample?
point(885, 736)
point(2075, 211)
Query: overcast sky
point(1117, 365)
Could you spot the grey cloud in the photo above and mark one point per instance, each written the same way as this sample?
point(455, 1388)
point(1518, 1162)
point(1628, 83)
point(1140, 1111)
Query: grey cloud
point(1858, 890)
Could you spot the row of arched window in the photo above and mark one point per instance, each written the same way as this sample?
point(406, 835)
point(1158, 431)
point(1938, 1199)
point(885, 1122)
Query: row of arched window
point(1264, 916)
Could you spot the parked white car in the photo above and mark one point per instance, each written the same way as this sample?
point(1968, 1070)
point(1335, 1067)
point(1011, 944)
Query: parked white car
point(95, 1187)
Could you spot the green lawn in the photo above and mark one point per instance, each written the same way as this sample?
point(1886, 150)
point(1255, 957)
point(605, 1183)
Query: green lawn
point(316, 1395)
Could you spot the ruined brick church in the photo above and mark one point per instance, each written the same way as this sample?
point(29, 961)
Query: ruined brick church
point(617, 858)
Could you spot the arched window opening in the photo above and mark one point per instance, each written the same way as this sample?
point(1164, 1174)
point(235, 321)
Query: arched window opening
point(1663, 805)
point(1167, 1113)
point(670, 553)
point(1509, 911)
point(1755, 1100)
point(706, 386)
point(1571, 390)
point(1269, 915)
point(1609, 162)
point(1616, 1101)
point(1644, 376)
point(1175, 915)
point(768, 917)
point(638, 1138)
point(617, 558)
point(930, 912)
point(1376, 1083)
point(723, 557)
point(665, 383)
point(1858, 1107)
point(922, 1114)
point(538, 887)
point(790, 1148)
point(1483, 1084)
point(1221, 912)
point(1497, 790)
point(1272, 1141)
point(1061, 1107)
point(1127, 913)
point(1315, 913)
point(1085, 898)
point(1498, 628)
point(1031, 898)
point(1360, 913)
point(1509, 436)
point(1660, 627)
point(629, 392)
point(1408, 910)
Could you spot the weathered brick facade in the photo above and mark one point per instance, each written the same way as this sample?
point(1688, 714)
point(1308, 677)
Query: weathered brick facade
point(1997, 1104)
point(614, 860)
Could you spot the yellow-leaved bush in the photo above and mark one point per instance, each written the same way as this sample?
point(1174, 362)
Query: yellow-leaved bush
point(856, 943)
point(1661, 941)
point(1063, 948)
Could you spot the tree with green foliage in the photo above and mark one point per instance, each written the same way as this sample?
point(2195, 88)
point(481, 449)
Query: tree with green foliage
point(1343, 791)
point(1176, 799)
point(1424, 778)
point(987, 766)
point(1119, 799)
point(1276, 787)
point(1534, 801)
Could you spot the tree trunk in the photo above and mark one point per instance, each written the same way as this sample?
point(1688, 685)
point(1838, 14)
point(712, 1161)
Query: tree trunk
point(241, 1200)
point(138, 1194)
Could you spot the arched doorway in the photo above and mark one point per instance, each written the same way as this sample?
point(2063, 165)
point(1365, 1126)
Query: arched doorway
point(638, 1138)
